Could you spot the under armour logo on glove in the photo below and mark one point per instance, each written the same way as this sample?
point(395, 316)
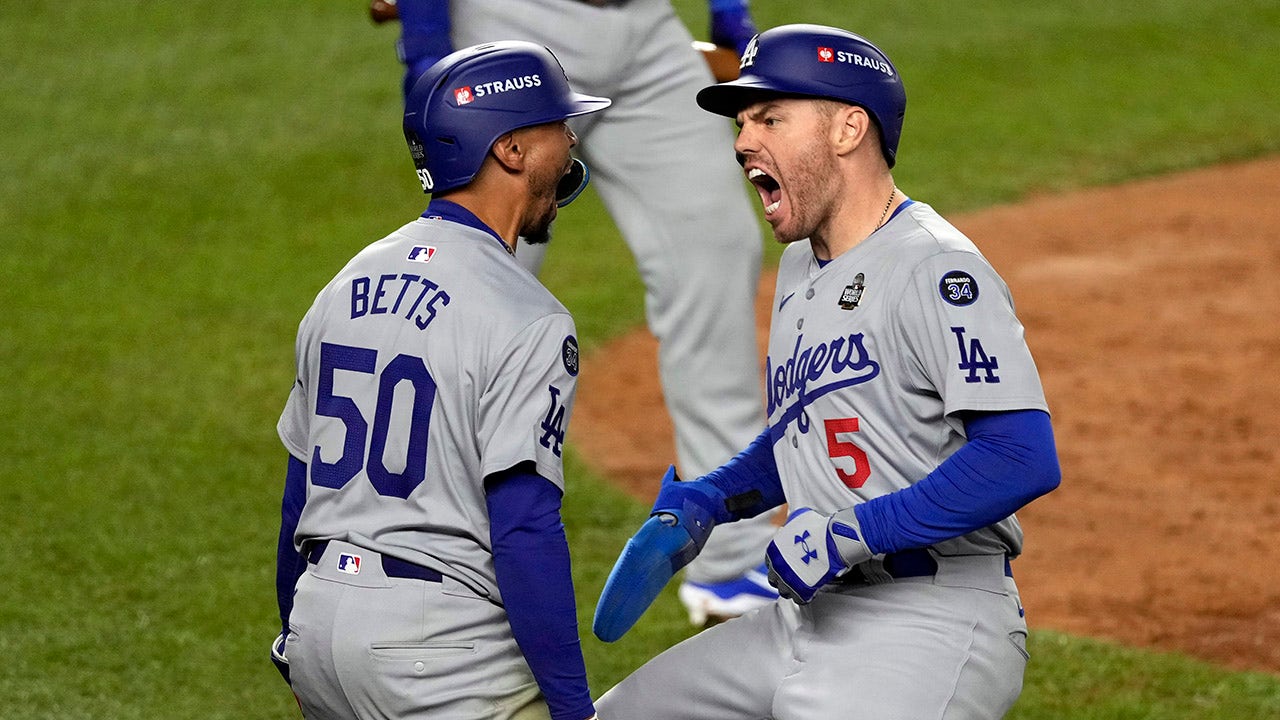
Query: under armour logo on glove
point(809, 553)
point(820, 547)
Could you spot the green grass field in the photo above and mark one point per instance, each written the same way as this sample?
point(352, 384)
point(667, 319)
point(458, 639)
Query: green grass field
point(178, 179)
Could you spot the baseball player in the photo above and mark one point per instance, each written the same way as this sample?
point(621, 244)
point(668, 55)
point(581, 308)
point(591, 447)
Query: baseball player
point(906, 425)
point(423, 566)
point(683, 212)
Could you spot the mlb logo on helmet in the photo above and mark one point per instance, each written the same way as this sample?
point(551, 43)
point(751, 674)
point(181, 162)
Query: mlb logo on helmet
point(463, 95)
point(826, 55)
point(349, 564)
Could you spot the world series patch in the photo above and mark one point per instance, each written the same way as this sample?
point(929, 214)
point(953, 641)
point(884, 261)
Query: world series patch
point(852, 294)
point(958, 288)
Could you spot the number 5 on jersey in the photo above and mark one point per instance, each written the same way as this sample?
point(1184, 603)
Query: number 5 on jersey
point(838, 448)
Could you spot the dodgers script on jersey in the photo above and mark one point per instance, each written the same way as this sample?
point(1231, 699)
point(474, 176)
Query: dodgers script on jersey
point(393, 465)
point(873, 354)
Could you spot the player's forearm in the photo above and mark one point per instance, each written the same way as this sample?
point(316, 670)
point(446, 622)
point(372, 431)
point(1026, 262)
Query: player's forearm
point(749, 481)
point(531, 559)
point(289, 564)
point(1010, 460)
point(424, 30)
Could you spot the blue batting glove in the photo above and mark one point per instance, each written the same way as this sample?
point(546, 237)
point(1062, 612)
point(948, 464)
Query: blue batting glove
point(696, 504)
point(811, 550)
point(731, 24)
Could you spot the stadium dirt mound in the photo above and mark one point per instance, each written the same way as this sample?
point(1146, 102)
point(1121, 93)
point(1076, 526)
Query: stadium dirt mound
point(1151, 309)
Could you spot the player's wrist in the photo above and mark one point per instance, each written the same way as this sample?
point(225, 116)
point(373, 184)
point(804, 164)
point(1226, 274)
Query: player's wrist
point(695, 505)
point(846, 539)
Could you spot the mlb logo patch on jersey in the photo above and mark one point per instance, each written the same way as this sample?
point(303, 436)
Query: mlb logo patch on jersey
point(421, 253)
point(958, 288)
point(463, 95)
point(349, 564)
point(826, 55)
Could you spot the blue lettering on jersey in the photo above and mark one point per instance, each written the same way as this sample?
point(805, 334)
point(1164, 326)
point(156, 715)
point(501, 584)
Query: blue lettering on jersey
point(973, 358)
point(409, 290)
point(844, 361)
point(553, 423)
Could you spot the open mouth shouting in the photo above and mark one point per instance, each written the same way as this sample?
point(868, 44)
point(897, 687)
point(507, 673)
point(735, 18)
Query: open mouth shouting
point(572, 182)
point(769, 189)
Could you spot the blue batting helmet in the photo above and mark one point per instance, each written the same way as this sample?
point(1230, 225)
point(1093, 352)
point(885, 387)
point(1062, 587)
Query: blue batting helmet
point(819, 62)
point(462, 104)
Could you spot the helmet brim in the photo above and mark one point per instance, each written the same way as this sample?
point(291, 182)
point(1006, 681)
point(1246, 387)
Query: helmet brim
point(729, 99)
point(581, 104)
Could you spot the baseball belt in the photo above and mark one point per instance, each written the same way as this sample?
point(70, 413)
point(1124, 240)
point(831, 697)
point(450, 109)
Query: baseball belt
point(392, 567)
point(917, 562)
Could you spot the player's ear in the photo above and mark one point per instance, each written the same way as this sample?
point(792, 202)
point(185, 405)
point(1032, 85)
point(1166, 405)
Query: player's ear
point(850, 125)
point(510, 151)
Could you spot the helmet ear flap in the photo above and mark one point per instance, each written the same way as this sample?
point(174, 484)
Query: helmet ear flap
point(419, 154)
point(443, 150)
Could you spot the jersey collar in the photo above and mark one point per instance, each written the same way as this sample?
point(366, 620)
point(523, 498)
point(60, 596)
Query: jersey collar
point(439, 209)
point(823, 263)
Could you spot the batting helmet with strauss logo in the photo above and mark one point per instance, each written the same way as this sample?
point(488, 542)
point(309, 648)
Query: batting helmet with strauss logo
point(462, 104)
point(819, 62)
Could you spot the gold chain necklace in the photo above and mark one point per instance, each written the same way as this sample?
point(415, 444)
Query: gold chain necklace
point(887, 203)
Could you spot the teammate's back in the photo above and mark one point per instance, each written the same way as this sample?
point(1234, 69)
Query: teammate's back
point(454, 311)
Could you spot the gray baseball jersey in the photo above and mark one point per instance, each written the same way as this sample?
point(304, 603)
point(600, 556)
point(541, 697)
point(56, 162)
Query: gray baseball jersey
point(682, 211)
point(430, 361)
point(872, 355)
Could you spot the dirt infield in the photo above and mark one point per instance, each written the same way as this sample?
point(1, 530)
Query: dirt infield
point(1151, 311)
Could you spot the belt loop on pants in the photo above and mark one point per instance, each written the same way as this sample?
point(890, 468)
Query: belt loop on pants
point(392, 567)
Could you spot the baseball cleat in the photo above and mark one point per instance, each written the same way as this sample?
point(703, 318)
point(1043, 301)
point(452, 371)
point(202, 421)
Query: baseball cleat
point(711, 603)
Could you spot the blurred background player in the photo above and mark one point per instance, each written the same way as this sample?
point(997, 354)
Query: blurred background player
point(681, 208)
point(423, 568)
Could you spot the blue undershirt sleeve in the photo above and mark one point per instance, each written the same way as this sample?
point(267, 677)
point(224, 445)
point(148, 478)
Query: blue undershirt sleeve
point(424, 36)
point(289, 562)
point(1009, 460)
point(531, 558)
point(749, 480)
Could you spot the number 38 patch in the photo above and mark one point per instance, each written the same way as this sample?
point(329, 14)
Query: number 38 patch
point(958, 288)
